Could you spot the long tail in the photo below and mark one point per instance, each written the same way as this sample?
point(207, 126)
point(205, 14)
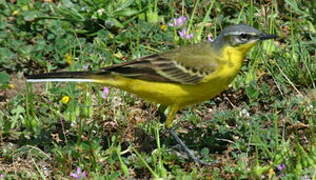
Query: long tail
point(83, 76)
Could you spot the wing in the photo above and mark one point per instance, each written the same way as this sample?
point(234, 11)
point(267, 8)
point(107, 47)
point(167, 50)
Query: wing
point(188, 65)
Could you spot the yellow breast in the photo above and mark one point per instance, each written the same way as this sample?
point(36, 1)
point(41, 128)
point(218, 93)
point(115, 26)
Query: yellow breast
point(180, 94)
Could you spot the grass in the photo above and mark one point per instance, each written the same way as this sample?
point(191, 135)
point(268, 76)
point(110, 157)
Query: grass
point(262, 127)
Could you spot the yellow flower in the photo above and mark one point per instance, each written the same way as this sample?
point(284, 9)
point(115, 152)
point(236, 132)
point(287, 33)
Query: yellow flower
point(68, 58)
point(65, 99)
point(271, 173)
point(11, 86)
point(16, 12)
point(164, 27)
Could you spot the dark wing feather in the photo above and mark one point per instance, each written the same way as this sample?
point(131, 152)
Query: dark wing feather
point(139, 69)
point(166, 68)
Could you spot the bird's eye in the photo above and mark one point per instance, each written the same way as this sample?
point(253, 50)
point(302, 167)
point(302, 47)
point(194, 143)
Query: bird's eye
point(244, 37)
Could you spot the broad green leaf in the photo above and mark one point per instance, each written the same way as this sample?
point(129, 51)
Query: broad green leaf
point(6, 54)
point(126, 12)
point(29, 15)
point(4, 78)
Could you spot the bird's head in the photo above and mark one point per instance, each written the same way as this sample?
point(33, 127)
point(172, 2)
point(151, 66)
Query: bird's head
point(241, 37)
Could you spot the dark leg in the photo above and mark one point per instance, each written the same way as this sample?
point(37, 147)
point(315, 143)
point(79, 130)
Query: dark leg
point(169, 119)
point(187, 150)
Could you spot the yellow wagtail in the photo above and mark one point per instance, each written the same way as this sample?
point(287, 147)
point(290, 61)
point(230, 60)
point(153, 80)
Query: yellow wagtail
point(180, 77)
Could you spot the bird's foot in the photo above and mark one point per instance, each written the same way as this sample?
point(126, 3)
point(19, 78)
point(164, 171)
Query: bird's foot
point(188, 151)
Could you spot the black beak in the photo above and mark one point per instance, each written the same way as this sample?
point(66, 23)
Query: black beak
point(265, 36)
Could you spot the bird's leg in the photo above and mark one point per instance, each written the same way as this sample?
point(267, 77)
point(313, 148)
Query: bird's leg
point(171, 116)
point(187, 150)
point(161, 112)
point(169, 120)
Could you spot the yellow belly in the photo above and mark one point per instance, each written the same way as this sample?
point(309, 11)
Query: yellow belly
point(168, 93)
point(180, 94)
point(172, 93)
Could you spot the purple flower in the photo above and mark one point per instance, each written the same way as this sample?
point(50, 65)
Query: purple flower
point(1, 176)
point(281, 167)
point(209, 38)
point(85, 67)
point(78, 174)
point(176, 22)
point(184, 34)
point(105, 92)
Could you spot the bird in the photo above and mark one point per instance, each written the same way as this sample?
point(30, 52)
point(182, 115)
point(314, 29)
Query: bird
point(176, 78)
